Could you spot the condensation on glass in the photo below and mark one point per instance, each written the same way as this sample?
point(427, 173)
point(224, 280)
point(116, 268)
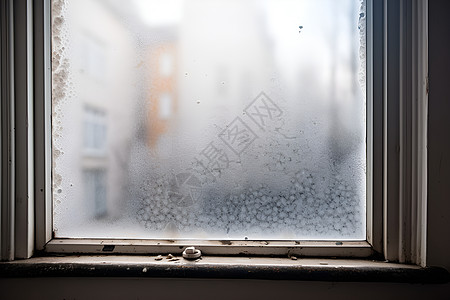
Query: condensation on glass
point(211, 119)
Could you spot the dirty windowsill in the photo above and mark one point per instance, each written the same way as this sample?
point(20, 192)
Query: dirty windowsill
point(319, 269)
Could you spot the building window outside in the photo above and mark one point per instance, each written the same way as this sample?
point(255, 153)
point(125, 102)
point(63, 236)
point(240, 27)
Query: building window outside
point(165, 106)
point(94, 58)
point(95, 191)
point(95, 131)
point(166, 65)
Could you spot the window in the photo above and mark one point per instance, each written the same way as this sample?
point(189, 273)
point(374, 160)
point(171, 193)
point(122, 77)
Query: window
point(166, 65)
point(95, 130)
point(165, 106)
point(221, 134)
point(94, 57)
point(95, 192)
point(283, 164)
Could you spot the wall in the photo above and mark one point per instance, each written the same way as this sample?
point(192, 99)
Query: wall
point(438, 240)
point(135, 288)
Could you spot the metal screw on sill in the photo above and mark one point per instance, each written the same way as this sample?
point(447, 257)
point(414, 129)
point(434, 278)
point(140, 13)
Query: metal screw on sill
point(191, 253)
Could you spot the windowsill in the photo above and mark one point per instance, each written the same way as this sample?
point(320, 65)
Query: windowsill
point(308, 269)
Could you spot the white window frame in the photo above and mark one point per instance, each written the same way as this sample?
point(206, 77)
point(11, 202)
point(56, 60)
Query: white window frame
point(396, 139)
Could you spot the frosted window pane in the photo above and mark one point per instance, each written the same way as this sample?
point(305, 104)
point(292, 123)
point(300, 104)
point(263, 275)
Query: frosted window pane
point(215, 119)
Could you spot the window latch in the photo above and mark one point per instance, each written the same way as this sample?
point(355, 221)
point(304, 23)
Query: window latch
point(191, 253)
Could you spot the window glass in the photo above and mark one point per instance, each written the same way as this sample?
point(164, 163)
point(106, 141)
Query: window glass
point(216, 119)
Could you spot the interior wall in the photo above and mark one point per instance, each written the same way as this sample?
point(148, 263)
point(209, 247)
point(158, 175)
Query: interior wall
point(438, 231)
point(147, 288)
